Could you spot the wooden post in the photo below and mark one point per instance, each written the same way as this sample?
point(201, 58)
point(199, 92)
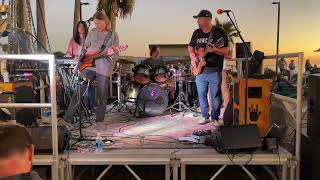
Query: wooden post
point(76, 16)
point(41, 31)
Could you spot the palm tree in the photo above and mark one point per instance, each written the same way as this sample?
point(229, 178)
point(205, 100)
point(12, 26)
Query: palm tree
point(228, 28)
point(116, 8)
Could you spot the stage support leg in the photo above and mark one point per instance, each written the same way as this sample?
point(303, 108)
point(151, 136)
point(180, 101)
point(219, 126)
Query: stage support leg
point(132, 172)
point(269, 171)
point(284, 172)
point(175, 172)
point(292, 173)
point(104, 172)
point(248, 172)
point(167, 171)
point(183, 172)
point(218, 172)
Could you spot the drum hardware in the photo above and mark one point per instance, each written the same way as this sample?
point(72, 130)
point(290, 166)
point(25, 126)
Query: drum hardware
point(181, 100)
point(191, 93)
point(120, 103)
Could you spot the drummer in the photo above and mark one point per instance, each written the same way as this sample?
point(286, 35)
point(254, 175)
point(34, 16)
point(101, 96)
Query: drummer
point(154, 59)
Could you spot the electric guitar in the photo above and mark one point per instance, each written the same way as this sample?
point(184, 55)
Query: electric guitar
point(88, 59)
point(201, 53)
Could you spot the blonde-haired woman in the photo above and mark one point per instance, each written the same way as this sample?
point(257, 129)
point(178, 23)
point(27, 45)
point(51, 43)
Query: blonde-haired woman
point(97, 38)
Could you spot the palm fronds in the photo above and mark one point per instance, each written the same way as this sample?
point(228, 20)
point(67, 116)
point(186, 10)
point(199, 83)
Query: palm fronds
point(228, 28)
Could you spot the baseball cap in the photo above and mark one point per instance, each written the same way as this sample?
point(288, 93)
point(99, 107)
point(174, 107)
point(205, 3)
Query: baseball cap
point(203, 13)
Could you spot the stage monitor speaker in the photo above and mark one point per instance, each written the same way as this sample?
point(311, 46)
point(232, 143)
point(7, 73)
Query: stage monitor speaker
point(258, 104)
point(245, 137)
point(24, 94)
point(314, 107)
point(42, 138)
point(255, 64)
point(240, 47)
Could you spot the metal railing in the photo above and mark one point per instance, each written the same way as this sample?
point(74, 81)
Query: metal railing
point(297, 101)
point(52, 104)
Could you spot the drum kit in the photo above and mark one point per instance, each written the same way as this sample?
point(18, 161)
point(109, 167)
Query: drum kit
point(150, 89)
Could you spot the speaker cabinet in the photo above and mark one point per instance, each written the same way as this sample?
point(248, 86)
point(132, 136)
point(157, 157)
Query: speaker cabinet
point(240, 47)
point(314, 107)
point(258, 104)
point(238, 138)
point(42, 138)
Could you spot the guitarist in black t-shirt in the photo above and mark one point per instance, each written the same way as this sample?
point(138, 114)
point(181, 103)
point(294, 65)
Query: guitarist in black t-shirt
point(207, 48)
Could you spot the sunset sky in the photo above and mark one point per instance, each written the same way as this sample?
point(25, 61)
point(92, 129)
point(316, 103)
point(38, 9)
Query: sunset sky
point(171, 22)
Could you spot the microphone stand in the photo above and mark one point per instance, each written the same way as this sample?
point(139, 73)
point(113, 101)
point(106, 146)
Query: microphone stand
point(247, 52)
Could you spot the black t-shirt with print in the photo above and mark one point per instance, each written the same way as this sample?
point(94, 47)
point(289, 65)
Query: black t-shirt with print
point(199, 40)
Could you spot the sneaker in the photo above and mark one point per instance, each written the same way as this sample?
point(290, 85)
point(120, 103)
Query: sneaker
point(204, 121)
point(220, 121)
point(215, 123)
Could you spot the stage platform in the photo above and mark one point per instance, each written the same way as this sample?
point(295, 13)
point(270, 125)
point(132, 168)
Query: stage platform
point(151, 141)
point(175, 161)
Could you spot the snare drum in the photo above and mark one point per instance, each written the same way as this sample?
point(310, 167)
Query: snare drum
point(142, 74)
point(160, 74)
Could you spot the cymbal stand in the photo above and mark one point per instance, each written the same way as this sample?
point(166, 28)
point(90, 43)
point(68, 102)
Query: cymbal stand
point(181, 101)
point(118, 104)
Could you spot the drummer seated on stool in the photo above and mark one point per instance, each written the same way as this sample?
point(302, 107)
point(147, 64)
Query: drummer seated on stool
point(154, 59)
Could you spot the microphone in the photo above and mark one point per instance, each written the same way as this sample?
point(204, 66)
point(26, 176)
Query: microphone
point(91, 19)
point(220, 11)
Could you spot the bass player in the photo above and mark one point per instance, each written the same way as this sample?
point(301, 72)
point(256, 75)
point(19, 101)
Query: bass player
point(209, 77)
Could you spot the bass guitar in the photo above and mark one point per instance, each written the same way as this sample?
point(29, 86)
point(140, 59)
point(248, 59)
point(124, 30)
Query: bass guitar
point(88, 59)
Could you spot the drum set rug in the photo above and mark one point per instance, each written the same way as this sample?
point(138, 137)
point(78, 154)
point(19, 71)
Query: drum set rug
point(125, 131)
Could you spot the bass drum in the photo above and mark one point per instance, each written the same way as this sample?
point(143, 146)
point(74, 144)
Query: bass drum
point(152, 100)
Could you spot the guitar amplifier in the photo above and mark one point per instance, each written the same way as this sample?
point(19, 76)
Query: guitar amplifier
point(258, 104)
point(42, 138)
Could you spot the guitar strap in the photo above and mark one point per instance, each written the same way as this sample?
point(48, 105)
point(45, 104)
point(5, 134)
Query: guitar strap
point(209, 39)
point(106, 40)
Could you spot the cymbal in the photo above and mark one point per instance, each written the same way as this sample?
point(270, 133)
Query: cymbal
point(175, 61)
point(124, 61)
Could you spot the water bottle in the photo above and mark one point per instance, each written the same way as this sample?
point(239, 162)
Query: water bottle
point(99, 143)
point(46, 115)
point(5, 77)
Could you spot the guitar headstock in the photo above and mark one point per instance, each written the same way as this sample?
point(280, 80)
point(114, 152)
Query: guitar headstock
point(117, 49)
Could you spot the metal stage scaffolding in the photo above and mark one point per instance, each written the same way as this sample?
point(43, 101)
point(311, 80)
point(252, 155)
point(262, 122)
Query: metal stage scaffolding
point(169, 158)
point(172, 160)
point(54, 159)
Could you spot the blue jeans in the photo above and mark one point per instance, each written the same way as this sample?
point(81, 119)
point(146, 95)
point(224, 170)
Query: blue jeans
point(212, 80)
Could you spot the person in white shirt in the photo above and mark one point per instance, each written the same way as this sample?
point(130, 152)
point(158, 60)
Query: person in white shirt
point(292, 68)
